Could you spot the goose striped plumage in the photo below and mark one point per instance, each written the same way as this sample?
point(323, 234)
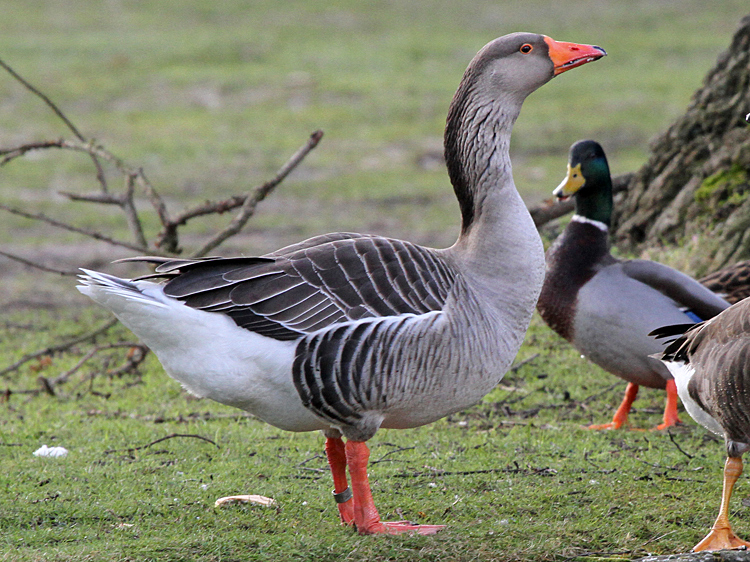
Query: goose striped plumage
point(710, 363)
point(348, 333)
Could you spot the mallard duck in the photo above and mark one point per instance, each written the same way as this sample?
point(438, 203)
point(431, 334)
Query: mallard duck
point(710, 363)
point(606, 306)
point(348, 333)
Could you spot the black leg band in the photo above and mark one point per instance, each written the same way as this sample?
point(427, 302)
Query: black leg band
point(344, 496)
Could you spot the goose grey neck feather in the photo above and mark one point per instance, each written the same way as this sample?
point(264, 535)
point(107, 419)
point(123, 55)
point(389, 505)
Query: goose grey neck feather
point(480, 120)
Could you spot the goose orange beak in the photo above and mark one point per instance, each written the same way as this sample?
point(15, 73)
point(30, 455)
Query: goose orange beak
point(570, 55)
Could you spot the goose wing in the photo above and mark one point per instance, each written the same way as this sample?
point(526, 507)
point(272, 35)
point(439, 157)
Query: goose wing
point(719, 352)
point(314, 284)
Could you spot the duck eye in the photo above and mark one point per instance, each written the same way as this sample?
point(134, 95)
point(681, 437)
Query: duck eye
point(526, 48)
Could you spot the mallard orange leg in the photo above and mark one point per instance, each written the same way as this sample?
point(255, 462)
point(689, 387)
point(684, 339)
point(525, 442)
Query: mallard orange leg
point(336, 453)
point(366, 516)
point(670, 409)
point(721, 535)
point(621, 415)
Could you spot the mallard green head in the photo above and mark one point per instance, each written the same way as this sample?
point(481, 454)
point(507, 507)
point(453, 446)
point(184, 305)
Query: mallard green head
point(589, 181)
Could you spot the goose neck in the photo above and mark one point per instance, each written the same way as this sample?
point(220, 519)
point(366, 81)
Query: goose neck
point(477, 143)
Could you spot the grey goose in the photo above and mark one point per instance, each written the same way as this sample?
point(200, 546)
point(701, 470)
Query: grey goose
point(710, 363)
point(347, 333)
point(732, 282)
point(605, 306)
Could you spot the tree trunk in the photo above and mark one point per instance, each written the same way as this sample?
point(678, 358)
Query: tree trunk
point(695, 187)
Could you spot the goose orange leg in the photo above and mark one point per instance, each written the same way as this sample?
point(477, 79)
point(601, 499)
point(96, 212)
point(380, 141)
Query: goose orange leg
point(721, 535)
point(336, 453)
point(366, 516)
point(621, 415)
point(670, 409)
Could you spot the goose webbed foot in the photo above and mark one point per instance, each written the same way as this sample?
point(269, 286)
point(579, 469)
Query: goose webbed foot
point(721, 536)
point(366, 516)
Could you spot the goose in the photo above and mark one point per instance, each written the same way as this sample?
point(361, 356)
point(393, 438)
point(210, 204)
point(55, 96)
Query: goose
point(606, 307)
point(347, 333)
point(732, 282)
point(710, 363)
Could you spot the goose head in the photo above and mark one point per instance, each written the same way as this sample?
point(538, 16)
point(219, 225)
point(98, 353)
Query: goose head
point(589, 181)
point(487, 103)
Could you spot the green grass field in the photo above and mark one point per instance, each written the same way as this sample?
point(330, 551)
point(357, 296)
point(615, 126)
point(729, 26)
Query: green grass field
point(514, 478)
point(210, 98)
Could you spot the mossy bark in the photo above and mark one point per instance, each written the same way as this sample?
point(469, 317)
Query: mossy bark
point(695, 186)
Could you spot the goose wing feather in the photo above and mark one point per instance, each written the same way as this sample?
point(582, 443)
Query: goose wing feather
point(719, 352)
point(314, 284)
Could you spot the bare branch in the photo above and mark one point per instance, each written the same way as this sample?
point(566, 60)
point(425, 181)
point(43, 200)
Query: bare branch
point(99, 171)
point(210, 208)
point(550, 210)
point(158, 203)
point(48, 269)
point(9, 154)
point(64, 346)
point(101, 198)
point(45, 99)
point(90, 233)
point(131, 214)
point(260, 193)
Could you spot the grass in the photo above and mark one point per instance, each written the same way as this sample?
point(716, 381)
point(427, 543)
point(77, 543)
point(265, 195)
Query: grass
point(514, 478)
point(211, 98)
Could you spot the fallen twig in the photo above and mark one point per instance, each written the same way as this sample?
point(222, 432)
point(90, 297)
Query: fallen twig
point(62, 378)
point(598, 394)
point(383, 458)
point(680, 449)
point(546, 471)
point(64, 346)
point(170, 436)
point(520, 364)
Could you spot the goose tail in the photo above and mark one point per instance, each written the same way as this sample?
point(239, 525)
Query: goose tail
point(108, 290)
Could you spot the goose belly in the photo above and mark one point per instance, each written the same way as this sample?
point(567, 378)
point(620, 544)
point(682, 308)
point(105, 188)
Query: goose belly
point(214, 358)
point(453, 381)
point(682, 374)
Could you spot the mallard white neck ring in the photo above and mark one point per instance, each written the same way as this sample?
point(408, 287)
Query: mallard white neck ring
point(598, 224)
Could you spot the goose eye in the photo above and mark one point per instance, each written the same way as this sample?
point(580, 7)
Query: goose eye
point(526, 48)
